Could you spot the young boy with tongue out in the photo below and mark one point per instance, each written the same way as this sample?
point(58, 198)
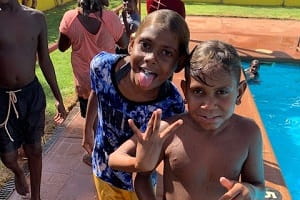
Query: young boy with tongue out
point(132, 87)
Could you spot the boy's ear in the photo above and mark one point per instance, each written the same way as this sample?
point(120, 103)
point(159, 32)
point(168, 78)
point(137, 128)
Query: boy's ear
point(241, 89)
point(131, 42)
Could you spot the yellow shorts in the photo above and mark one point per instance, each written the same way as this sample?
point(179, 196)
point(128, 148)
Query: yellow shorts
point(106, 191)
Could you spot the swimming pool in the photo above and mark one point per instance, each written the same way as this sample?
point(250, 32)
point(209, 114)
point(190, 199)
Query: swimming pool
point(277, 97)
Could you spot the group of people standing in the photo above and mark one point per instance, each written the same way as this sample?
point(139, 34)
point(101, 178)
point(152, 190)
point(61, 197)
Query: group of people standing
point(135, 117)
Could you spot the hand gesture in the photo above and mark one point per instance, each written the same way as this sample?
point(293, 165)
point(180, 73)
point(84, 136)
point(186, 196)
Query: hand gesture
point(61, 114)
point(236, 190)
point(149, 144)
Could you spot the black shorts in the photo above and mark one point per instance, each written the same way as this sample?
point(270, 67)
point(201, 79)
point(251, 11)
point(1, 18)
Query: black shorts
point(83, 106)
point(29, 127)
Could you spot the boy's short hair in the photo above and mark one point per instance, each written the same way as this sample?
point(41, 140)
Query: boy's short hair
point(89, 6)
point(176, 24)
point(211, 54)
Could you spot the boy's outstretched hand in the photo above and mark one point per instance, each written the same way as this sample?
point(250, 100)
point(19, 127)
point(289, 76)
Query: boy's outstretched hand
point(236, 190)
point(149, 144)
point(61, 114)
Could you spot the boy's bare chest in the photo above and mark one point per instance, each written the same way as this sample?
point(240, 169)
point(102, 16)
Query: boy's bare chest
point(205, 160)
point(17, 31)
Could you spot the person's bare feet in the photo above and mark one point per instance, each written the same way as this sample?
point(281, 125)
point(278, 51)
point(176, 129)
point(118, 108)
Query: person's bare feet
point(21, 185)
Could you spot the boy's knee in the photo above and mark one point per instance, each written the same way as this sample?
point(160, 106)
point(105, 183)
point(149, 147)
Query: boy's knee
point(10, 160)
point(33, 150)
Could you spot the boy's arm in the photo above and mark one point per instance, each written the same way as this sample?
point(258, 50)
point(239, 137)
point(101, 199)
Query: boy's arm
point(91, 115)
point(63, 42)
point(123, 41)
point(143, 186)
point(123, 158)
point(47, 68)
point(252, 185)
point(146, 146)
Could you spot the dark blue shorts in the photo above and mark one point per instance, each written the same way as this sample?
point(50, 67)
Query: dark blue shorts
point(29, 127)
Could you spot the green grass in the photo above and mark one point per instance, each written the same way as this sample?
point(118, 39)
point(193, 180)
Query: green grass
point(193, 7)
point(243, 11)
point(53, 18)
point(271, 12)
point(64, 74)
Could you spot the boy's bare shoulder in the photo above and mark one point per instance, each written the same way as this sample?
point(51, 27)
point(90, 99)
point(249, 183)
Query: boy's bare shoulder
point(172, 119)
point(245, 125)
point(244, 120)
point(30, 12)
point(178, 131)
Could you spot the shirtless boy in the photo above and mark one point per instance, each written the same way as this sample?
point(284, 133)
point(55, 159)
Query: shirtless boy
point(251, 73)
point(22, 113)
point(215, 154)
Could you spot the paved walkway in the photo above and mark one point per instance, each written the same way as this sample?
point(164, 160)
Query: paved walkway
point(66, 177)
point(264, 38)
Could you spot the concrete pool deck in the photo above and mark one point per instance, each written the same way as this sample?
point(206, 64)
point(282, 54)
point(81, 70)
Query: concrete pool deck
point(64, 175)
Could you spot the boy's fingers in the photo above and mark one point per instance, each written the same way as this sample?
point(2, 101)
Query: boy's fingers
point(152, 123)
point(171, 128)
point(135, 130)
point(58, 118)
point(157, 120)
point(230, 195)
point(87, 148)
point(228, 184)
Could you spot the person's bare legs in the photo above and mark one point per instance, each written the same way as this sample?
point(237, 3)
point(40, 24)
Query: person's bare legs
point(34, 153)
point(10, 160)
point(24, 2)
point(34, 4)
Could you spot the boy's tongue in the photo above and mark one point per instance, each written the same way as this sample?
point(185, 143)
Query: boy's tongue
point(146, 79)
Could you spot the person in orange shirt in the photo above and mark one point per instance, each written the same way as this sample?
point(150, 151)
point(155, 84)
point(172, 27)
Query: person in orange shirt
point(89, 29)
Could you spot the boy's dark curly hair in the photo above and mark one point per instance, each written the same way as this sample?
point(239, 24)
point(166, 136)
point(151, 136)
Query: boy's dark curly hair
point(210, 55)
point(90, 6)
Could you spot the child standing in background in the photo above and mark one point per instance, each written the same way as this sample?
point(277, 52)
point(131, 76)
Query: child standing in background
point(23, 39)
point(215, 154)
point(89, 29)
point(130, 16)
point(131, 19)
point(251, 73)
point(132, 87)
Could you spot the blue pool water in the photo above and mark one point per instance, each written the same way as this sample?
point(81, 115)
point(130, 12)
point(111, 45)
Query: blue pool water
point(277, 97)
